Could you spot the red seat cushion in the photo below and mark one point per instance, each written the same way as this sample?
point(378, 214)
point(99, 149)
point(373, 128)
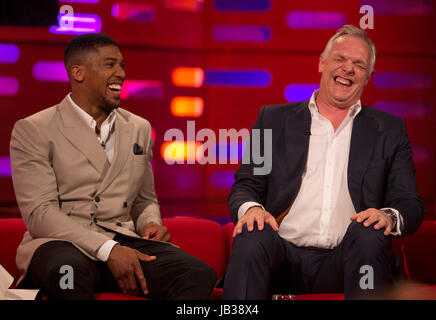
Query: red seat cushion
point(202, 238)
point(419, 253)
point(11, 234)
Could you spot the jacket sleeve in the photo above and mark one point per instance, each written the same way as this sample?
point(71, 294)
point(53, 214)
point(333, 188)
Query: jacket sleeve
point(402, 192)
point(248, 186)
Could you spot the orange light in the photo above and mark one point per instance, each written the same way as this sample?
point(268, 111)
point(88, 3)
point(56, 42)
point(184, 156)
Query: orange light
point(179, 151)
point(188, 77)
point(187, 106)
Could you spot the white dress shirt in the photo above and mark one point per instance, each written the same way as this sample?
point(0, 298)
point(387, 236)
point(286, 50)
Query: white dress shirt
point(321, 211)
point(107, 139)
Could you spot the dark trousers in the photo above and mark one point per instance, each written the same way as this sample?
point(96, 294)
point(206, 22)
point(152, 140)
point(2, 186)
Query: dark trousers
point(174, 275)
point(263, 263)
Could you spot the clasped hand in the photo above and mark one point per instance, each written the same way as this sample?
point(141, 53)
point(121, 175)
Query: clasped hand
point(124, 262)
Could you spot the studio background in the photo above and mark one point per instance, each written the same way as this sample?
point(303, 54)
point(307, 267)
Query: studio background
point(217, 62)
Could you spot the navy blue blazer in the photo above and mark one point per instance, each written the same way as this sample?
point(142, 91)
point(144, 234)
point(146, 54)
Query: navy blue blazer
point(380, 166)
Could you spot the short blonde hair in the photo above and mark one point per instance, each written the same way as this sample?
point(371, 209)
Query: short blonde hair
point(351, 30)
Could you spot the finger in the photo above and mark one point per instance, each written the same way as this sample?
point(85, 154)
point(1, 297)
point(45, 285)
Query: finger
point(145, 257)
point(273, 223)
point(131, 284)
point(260, 222)
point(163, 236)
point(121, 285)
point(362, 216)
point(141, 279)
point(146, 235)
point(380, 224)
point(238, 228)
point(388, 230)
point(250, 223)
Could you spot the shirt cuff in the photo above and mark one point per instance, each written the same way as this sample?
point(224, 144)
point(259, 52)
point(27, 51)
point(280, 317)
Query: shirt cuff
point(105, 250)
point(247, 205)
point(400, 222)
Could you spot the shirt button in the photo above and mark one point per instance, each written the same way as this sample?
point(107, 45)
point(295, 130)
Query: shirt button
point(97, 199)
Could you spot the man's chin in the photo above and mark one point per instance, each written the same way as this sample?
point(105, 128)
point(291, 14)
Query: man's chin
point(111, 104)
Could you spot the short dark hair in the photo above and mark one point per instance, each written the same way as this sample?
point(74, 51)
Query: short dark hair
point(86, 42)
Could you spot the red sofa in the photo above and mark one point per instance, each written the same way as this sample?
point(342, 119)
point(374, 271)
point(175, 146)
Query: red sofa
point(212, 242)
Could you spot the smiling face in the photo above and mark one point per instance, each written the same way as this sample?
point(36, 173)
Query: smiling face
point(105, 76)
point(344, 71)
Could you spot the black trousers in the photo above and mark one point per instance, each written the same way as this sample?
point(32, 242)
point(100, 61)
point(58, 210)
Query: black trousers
point(263, 263)
point(174, 275)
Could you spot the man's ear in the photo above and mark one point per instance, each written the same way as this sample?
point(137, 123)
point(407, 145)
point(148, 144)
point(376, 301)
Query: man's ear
point(321, 64)
point(78, 72)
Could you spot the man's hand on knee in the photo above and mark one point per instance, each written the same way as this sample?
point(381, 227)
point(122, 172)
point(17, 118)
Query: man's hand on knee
point(124, 264)
point(255, 214)
point(371, 216)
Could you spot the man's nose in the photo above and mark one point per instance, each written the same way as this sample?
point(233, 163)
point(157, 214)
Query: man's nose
point(120, 72)
point(348, 67)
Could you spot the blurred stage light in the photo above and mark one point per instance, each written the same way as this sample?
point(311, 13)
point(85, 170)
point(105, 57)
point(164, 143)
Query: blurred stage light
point(222, 179)
point(188, 77)
point(50, 71)
point(77, 24)
point(133, 11)
point(185, 5)
point(400, 7)
point(9, 86)
point(238, 78)
point(412, 109)
point(315, 19)
point(299, 92)
point(227, 33)
point(5, 167)
point(179, 151)
point(242, 5)
point(142, 89)
point(187, 106)
point(402, 80)
point(9, 53)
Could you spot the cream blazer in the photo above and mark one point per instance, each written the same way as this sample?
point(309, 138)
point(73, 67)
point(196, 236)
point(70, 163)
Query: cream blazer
point(67, 190)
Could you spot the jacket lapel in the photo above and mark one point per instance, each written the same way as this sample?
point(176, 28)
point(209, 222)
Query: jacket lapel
point(123, 138)
point(297, 135)
point(81, 135)
point(363, 137)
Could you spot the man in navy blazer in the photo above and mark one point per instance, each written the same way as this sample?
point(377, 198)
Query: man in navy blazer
point(341, 185)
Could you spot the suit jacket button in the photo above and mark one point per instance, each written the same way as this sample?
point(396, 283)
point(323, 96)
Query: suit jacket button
point(97, 199)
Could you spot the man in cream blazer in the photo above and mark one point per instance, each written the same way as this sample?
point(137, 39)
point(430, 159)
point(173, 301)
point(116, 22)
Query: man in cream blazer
point(84, 185)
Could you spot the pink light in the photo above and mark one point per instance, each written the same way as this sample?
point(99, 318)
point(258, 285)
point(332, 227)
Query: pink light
point(185, 5)
point(50, 71)
point(8, 86)
point(77, 24)
point(133, 11)
point(142, 89)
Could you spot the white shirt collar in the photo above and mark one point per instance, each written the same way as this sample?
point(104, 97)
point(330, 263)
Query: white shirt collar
point(352, 112)
point(89, 119)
